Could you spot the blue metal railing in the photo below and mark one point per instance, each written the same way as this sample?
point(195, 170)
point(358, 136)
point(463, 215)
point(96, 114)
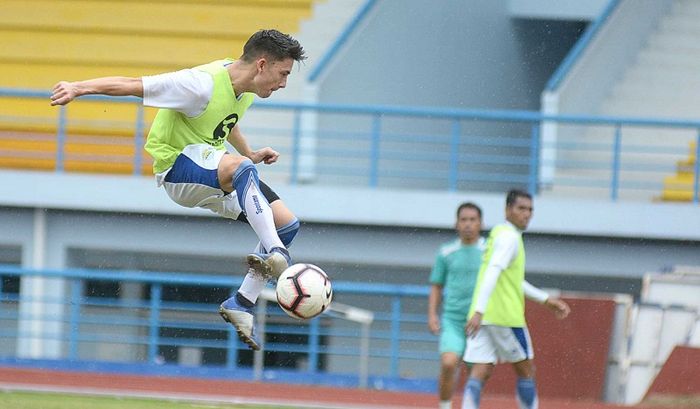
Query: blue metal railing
point(577, 50)
point(146, 325)
point(362, 144)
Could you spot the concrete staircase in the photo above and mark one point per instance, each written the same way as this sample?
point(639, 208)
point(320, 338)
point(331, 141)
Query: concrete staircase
point(662, 82)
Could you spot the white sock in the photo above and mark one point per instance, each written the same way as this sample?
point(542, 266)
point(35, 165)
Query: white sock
point(252, 284)
point(259, 215)
point(445, 404)
point(251, 287)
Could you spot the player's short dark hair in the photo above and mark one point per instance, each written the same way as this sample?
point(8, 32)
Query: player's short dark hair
point(274, 45)
point(514, 194)
point(469, 205)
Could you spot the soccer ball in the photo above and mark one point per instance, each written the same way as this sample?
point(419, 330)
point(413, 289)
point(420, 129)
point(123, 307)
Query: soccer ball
point(304, 291)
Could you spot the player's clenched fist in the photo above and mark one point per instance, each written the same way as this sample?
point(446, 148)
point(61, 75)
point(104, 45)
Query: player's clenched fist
point(63, 93)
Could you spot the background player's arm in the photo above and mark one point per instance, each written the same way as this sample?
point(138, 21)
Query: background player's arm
point(560, 308)
point(556, 305)
point(266, 155)
point(535, 294)
point(434, 301)
point(64, 92)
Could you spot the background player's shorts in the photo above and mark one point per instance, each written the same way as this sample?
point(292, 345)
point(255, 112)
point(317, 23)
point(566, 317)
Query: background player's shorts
point(452, 336)
point(193, 181)
point(494, 344)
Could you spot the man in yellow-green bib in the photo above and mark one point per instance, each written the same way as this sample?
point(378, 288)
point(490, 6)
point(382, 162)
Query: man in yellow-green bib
point(496, 325)
point(199, 109)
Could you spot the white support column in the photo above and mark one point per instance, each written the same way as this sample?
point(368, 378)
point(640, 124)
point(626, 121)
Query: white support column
point(41, 301)
point(309, 137)
point(30, 341)
point(548, 144)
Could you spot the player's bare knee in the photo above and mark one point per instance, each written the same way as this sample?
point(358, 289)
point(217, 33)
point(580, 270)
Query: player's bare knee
point(481, 371)
point(227, 168)
point(449, 361)
point(525, 369)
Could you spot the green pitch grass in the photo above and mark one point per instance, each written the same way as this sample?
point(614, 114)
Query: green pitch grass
point(29, 400)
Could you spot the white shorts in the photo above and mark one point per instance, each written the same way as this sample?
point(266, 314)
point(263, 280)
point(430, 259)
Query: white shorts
point(193, 181)
point(495, 344)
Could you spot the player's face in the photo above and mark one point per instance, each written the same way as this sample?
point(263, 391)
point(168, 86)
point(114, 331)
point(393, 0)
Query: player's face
point(468, 225)
point(272, 75)
point(520, 212)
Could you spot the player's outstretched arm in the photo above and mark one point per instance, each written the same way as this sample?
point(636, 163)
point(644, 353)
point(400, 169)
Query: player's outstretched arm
point(556, 305)
point(560, 308)
point(64, 92)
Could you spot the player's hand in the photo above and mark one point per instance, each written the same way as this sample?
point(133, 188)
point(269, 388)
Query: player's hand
point(266, 155)
point(473, 325)
point(434, 324)
point(560, 309)
point(63, 93)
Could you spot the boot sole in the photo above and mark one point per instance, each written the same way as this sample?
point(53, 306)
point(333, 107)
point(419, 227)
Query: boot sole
point(243, 337)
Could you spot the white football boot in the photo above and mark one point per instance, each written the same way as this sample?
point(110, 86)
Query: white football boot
point(270, 265)
point(242, 319)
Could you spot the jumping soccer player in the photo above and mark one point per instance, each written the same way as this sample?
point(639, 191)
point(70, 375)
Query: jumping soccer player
point(199, 110)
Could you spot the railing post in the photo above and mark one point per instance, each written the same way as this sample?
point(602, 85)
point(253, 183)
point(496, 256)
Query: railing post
point(296, 148)
point(232, 346)
point(374, 150)
point(75, 301)
point(534, 158)
point(153, 323)
point(313, 345)
point(261, 322)
point(363, 371)
point(138, 139)
point(395, 334)
point(615, 180)
point(696, 170)
point(454, 155)
point(61, 138)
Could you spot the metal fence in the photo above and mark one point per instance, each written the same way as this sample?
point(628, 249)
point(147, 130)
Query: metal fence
point(67, 317)
point(434, 148)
